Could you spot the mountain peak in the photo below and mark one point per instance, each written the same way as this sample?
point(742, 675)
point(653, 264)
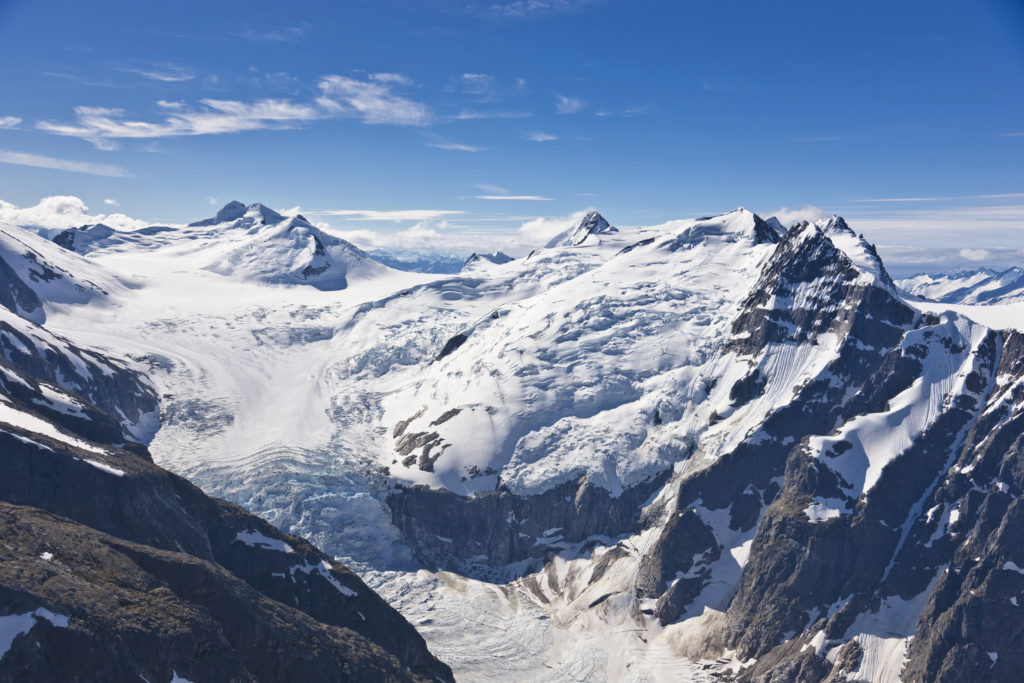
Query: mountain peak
point(856, 248)
point(263, 213)
point(591, 223)
point(233, 210)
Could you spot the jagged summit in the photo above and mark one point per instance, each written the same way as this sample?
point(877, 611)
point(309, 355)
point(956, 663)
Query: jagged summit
point(856, 248)
point(234, 210)
point(482, 260)
point(592, 223)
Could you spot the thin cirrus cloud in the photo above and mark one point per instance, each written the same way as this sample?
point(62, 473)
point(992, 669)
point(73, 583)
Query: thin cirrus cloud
point(40, 161)
point(372, 101)
point(568, 105)
point(9, 122)
point(470, 115)
point(526, 9)
point(290, 34)
point(513, 197)
point(541, 137)
point(394, 216)
point(900, 200)
point(165, 72)
point(454, 146)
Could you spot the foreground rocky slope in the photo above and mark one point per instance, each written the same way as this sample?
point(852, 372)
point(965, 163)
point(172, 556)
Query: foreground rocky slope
point(113, 569)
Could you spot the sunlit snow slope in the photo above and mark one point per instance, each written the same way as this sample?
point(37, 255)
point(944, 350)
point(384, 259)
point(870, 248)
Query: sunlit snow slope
point(707, 446)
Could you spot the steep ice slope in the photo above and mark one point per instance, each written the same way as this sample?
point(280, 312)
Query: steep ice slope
point(981, 286)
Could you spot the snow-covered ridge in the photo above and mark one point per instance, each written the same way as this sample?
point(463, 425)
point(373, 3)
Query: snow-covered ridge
point(979, 286)
point(253, 243)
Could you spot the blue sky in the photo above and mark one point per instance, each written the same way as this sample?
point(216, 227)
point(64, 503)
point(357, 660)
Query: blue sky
point(475, 117)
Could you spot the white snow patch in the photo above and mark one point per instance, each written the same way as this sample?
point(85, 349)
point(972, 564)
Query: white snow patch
point(102, 466)
point(31, 423)
point(821, 509)
point(255, 539)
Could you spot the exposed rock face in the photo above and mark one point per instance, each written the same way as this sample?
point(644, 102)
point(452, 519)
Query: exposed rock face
point(506, 528)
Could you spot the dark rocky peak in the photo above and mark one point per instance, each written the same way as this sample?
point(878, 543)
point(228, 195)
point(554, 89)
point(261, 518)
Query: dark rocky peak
point(857, 249)
point(592, 223)
point(809, 287)
point(230, 212)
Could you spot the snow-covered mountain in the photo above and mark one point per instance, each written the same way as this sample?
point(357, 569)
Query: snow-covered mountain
point(707, 448)
point(980, 286)
point(112, 568)
point(251, 243)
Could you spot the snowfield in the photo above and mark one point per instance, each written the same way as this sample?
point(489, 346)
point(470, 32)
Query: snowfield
point(304, 381)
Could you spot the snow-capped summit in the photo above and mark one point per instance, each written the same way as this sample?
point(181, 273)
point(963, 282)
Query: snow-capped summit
point(280, 250)
point(856, 248)
point(231, 211)
point(592, 223)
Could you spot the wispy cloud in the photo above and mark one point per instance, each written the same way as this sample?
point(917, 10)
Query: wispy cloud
point(163, 71)
point(477, 84)
point(291, 34)
point(395, 216)
point(513, 197)
point(454, 146)
point(469, 115)
point(541, 137)
point(900, 200)
point(524, 9)
point(9, 122)
point(40, 161)
point(103, 127)
point(568, 105)
point(372, 101)
point(1016, 134)
point(111, 202)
